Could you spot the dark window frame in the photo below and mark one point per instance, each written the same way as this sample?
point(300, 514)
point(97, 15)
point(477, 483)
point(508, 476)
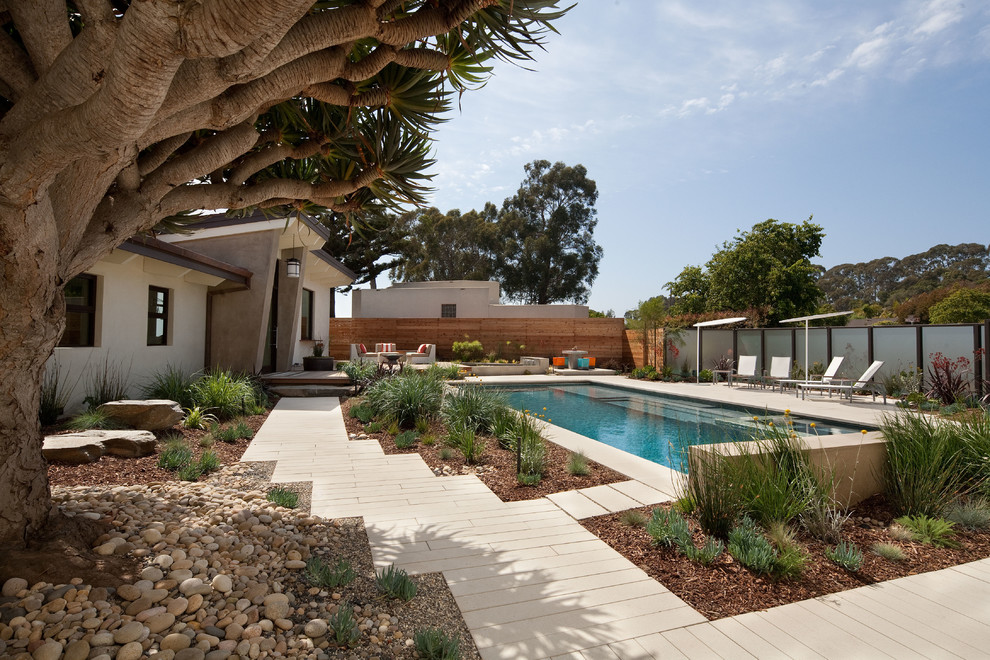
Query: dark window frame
point(87, 311)
point(154, 316)
point(448, 310)
point(306, 322)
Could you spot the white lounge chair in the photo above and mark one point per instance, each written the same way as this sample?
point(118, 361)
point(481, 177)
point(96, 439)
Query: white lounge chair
point(827, 377)
point(780, 369)
point(746, 369)
point(848, 387)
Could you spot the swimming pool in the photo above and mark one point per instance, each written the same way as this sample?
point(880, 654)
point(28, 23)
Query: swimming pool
point(656, 427)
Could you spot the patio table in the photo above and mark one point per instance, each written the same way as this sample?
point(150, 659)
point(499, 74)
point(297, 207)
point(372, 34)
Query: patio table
point(726, 372)
point(572, 357)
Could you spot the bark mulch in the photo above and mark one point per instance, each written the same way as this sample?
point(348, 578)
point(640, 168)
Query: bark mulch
point(727, 588)
point(497, 467)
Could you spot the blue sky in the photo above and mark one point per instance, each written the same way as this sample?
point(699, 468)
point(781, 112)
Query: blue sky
point(698, 119)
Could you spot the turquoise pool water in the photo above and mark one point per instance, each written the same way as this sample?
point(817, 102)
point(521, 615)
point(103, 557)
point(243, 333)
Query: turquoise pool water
point(656, 427)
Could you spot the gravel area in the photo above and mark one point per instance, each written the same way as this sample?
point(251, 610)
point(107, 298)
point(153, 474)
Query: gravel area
point(145, 565)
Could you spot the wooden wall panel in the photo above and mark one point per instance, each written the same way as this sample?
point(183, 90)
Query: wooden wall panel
point(602, 338)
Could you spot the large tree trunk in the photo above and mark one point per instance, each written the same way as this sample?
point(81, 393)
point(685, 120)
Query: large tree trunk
point(32, 314)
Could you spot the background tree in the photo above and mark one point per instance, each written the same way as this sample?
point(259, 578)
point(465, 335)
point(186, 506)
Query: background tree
point(547, 251)
point(367, 244)
point(767, 267)
point(450, 246)
point(962, 306)
point(115, 116)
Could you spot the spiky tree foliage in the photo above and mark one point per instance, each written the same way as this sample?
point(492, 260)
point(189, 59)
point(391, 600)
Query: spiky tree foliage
point(116, 116)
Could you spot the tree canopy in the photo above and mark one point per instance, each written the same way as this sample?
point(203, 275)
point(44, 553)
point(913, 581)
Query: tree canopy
point(768, 267)
point(962, 306)
point(447, 246)
point(116, 116)
point(547, 249)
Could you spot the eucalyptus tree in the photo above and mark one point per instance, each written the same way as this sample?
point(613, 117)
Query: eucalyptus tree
point(117, 115)
point(447, 246)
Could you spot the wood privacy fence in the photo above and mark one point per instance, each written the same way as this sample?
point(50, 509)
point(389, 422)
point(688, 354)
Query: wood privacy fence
point(605, 339)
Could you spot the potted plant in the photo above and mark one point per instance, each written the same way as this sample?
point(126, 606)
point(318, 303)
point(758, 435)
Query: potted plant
point(317, 361)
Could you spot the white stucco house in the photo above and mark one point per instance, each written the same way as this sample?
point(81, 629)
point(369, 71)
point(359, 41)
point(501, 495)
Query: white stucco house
point(466, 299)
point(220, 296)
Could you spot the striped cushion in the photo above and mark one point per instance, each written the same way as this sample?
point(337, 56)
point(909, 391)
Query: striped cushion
point(423, 348)
point(363, 349)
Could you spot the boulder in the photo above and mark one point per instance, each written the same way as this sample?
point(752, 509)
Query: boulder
point(88, 446)
point(150, 414)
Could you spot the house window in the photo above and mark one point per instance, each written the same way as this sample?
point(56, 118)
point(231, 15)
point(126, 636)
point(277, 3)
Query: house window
point(157, 316)
point(80, 312)
point(306, 324)
point(448, 311)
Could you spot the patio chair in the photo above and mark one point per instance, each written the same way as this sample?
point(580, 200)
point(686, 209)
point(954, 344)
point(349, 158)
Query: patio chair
point(780, 369)
point(827, 377)
point(848, 387)
point(425, 354)
point(359, 354)
point(746, 369)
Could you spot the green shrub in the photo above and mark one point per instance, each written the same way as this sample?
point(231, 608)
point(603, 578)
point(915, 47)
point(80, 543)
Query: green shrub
point(198, 418)
point(282, 497)
point(226, 434)
point(930, 531)
point(668, 527)
point(684, 504)
point(970, 514)
point(472, 406)
point(445, 453)
point(529, 479)
point(790, 562)
point(750, 548)
point(824, 521)
point(171, 383)
point(974, 436)
point(503, 427)
point(577, 464)
point(846, 555)
point(925, 467)
point(175, 456)
point(374, 427)
point(344, 625)
point(706, 554)
point(92, 419)
point(395, 583)
point(406, 398)
point(705, 376)
point(406, 439)
point(888, 551)
point(243, 430)
point(207, 440)
point(54, 395)
point(227, 394)
point(321, 574)
point(443, 372)
point(190, 472)
point(466, 441)
point(633, 518)
point(209, 462)
point(716, 502)
point(427, 439)
point(360, 372)
point(422, 425)
point(106, 383)
point(468, 351)
point(435, 644)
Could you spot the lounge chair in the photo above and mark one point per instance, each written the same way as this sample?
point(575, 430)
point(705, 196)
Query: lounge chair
point(848, 387)
point(827, 377)
point(780, 369)
point(425, 354)
point(359, 354)
point(746, 370)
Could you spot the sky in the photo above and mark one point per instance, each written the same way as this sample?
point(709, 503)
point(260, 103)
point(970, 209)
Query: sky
point(700, 119)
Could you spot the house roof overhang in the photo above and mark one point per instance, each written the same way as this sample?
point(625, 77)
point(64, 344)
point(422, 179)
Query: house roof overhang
point(184, 260)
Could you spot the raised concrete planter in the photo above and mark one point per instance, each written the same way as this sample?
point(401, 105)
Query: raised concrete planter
point(525, 367)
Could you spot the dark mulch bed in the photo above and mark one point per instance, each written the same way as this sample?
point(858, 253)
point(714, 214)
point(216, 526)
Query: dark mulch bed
point(726, 588)
point(117, 471)
point(497, 467)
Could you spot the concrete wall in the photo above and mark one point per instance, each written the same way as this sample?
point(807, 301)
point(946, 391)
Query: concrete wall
point(239, 327)
point(122, 324)
point(474, 300)
point(321, 318)
point(856, 460)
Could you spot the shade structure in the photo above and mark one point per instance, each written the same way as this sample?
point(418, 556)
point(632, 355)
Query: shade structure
point(806, 319)
point(697, 348)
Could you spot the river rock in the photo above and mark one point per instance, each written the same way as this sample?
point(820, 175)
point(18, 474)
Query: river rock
point(13, 586)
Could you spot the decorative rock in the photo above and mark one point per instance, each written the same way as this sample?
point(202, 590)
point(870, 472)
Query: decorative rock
point(315, 628)
point(160, 622)
point(276, 606)
point(128, 632)
point(102, 638)
point(48, 651)
point(222, 583)
point(13, 586)
point(128, 592)
point(150, 415)
point(175, 642)
point(130, 651)
point(88, 446)
point(77, 650)
point(190, 654)
point(295, 564)
point(152, 573)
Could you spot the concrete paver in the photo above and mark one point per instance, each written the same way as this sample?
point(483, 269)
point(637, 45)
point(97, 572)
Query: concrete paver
point(533, 583)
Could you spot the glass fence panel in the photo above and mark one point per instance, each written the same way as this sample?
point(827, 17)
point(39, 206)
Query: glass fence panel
point(715, 344)
point(897, 348)
point(951, 341)
point(817, 350)
point(778, 343)
point(748, 343)
point(851, 344)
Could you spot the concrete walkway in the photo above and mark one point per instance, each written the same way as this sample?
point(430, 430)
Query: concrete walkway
point(533, 583)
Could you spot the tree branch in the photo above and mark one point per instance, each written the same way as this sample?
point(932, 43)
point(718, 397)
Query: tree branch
point(259, 160)
point(94, 11)
point(15, 67)
point(217, 28)
point(160, 152)
point(44, 29)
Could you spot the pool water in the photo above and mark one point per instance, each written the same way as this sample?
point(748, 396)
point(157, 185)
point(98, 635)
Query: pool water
point(656, 427)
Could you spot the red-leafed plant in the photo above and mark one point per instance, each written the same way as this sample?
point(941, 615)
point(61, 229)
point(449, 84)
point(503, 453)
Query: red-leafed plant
point(948, 380)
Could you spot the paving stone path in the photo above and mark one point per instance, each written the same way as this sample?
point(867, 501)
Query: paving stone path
point(533, 583)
